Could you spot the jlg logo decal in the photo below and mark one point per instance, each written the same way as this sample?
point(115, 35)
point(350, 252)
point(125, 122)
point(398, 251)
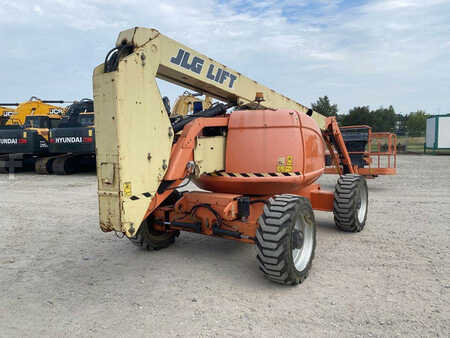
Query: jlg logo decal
point(195, 64)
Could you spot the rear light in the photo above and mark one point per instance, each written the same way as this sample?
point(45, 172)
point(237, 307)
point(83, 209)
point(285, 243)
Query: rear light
point(22, 141)
point(52, 140)
point(87, 139)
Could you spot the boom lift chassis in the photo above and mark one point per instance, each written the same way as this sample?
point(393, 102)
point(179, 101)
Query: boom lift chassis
point(142, 158)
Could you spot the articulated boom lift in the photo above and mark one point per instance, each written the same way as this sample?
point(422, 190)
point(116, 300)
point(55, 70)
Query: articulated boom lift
point(258, 164)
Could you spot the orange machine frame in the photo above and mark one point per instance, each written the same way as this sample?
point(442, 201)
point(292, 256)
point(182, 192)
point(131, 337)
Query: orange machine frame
point(199, 211)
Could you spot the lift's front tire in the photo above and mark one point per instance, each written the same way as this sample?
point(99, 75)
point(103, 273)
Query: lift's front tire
point(151, 239)
point(350, 203)
point(286, 239)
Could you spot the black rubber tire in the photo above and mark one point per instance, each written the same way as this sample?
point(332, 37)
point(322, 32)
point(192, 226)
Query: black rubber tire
point(347, 201)
point(151, 239)
point(274, 238)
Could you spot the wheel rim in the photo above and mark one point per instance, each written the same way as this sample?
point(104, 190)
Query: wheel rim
point(302, 242)
point(362, 208)
point(156, 235)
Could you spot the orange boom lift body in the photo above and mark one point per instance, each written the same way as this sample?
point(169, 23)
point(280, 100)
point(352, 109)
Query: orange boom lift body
point(257, 165)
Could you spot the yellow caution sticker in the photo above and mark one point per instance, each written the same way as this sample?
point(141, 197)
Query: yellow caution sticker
point(285, 164)
point(284, 169)
point(127, 189)
point(289, 160)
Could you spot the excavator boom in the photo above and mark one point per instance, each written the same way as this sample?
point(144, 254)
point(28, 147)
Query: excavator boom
point(34, 106)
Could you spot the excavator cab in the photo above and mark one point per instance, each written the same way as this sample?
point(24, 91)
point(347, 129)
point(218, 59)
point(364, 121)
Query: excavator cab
point(26, 130)
point(42, 123)
point(36, 122)
point(78, 114)
point(31, 138)
point(72, 143)
point(87, 119)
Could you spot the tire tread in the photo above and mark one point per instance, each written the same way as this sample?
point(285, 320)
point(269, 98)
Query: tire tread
point(344, 204)
point(272, 238)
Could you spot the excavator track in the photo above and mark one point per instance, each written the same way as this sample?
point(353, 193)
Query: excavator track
point(64, 166)
point(13, 163)
point(43, 165)
point(53, 165)
point(3, 168)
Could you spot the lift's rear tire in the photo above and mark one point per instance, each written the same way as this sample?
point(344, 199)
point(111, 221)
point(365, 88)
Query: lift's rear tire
point(286, 239)
point(350, 203)
point(151, 239)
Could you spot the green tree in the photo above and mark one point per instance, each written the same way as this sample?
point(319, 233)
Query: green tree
point(417, 123)
point(340, 119)
point(357, 116)
point(383, 119)
point(324, 107)
point(400, 125)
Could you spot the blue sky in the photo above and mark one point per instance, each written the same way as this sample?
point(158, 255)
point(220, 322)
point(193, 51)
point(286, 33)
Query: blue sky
point(373, 52)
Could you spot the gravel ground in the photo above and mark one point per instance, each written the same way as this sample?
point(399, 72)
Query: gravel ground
point(60, 275)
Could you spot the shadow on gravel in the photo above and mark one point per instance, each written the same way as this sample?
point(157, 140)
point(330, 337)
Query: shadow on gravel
point(192, 259)
point(327, 227)
point(379, 187)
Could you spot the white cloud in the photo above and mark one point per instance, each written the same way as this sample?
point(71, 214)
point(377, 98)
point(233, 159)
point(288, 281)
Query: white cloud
point(38, 9)
point(380, 53)
point(389, 5)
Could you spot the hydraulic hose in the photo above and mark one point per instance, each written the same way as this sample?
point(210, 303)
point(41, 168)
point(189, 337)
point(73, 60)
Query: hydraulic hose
point(217, 109)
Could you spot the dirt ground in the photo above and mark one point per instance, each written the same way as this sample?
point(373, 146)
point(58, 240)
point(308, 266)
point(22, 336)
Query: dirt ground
point(60, 275)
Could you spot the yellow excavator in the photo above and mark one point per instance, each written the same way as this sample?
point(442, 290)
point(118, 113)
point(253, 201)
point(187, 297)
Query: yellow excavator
point(5, 115)
point(25, 132)
point(71, 145)
point(189, 103)
point(33, 107)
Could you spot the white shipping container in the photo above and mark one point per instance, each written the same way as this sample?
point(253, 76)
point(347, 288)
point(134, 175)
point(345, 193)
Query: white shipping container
point(438, 132)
